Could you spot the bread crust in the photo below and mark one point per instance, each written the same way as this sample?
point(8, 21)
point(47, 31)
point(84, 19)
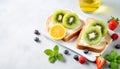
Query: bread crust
point(90, 47)
point(69, 36)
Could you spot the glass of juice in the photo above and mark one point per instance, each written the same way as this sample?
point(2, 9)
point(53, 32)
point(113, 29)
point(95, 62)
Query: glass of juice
point(89, 5)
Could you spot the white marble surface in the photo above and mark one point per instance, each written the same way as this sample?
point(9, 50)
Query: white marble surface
point(19, 19)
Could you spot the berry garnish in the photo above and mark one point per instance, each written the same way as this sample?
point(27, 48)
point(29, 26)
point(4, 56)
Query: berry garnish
point(37, 32)
point(117, 46)
point(114, 36)
point(86, 51)
point(66, 52)
point(36, 39)
point(100, 61)
point(113, 23)
point(82, 59)
point(76, 57)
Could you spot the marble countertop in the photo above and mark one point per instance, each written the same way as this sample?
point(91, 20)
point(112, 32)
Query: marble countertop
point(19, 19)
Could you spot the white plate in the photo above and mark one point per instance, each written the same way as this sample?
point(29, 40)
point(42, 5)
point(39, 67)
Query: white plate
point(71, 45)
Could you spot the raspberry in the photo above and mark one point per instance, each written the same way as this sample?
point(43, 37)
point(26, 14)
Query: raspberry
point(114, 36)
point(82, 60)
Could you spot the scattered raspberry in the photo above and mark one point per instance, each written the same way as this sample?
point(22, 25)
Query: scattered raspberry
point(114, 36)
point(82, 60)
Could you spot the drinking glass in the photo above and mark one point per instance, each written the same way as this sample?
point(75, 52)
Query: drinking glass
point(89, 5)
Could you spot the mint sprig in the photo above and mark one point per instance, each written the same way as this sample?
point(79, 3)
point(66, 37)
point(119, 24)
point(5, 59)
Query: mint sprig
point(114, 65)
point(54, 54)
point(49, 52)
point(114, 59)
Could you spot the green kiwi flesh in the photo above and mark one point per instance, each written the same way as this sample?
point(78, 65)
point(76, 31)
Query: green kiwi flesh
point(57, 16)
point(92, 35)
point(70, 20)
point(100, 24)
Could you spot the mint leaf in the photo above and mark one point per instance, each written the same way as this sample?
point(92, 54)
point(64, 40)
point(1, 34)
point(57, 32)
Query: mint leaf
point(114, 65)
point(107, 57)
point(56, 48)
point(60, 57)
point(118, 59)
point(55, 53)
point(49, 52)
point(112, 56)
point(52, 59)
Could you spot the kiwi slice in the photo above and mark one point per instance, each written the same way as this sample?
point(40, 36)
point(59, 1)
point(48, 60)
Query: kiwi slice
point(70, 20)
point(101, 25)
point(92, 35)
point(57, 17)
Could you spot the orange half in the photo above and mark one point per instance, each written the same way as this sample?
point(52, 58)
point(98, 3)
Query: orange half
point(57, 31)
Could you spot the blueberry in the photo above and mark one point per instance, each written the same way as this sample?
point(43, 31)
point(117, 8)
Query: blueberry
point(76, 57)
point(117, 46)
point(36, 39)
point(37, 32)
point(66, 52)
point(86, 51)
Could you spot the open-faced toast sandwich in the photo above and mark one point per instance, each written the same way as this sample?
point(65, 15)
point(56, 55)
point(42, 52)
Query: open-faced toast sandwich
point(94, 36)
point(64, 25)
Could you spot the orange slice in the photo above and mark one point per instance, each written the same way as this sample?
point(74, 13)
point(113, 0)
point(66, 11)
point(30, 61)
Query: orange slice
point(57, 31)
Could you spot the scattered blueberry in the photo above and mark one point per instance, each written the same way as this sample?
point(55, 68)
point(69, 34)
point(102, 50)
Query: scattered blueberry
point(76, 57)
point(117, 46)
point(86, 51)
point(36, 39)
point(66, 52)
point(37, 32)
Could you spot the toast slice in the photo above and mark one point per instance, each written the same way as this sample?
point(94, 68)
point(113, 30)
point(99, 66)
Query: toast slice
point(80, 44)
point(70, 33)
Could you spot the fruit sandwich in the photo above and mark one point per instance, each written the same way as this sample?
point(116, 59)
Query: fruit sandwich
point(64, 25)
point(94, 36)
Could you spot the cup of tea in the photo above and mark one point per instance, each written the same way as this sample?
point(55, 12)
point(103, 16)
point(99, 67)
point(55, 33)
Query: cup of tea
point(89, 5)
